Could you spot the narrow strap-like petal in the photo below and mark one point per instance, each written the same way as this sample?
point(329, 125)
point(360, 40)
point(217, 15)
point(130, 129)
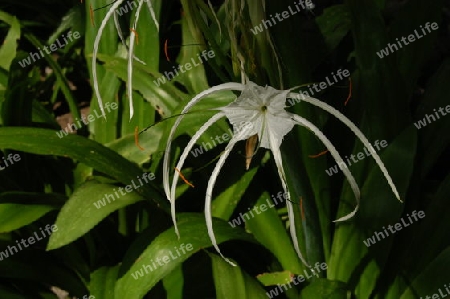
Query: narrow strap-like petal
point(212, 182)
point(304, 123)
point(111, 11)
point(355, 130)
point(192, 102)
point(119, 30)
point(279, 163)
point(130, 58)
point(120, 33)
point(183, 157)
point(152, 13)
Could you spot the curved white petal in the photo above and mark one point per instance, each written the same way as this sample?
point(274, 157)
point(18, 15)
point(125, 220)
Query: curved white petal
point(303, 122)
point(183, 157)
point(119, 30)
point(192, 102)
point(120, 33)
point(152, 12)
point(209, 189)
point(279, 163)
point(356, 131)
point(216, 19)
point(130, 58)
point(111, 11)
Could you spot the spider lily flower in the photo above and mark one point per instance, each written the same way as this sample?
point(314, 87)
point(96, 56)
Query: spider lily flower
point(261, 111)
point(130, 49)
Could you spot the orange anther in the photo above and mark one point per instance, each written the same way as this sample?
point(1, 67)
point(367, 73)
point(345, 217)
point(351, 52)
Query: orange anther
point(136, 138)
point(183, 178)
point(319, 154)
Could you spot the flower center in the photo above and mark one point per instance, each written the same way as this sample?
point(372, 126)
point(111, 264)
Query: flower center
point(264, 108)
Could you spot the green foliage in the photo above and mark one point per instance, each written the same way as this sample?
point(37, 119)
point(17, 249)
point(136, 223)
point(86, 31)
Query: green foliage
point(98, 251)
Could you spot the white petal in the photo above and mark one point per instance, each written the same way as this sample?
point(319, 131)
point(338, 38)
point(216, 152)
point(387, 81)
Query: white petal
point(130, 59)
point(119, 30)
point(192, 102)
point(209, 190)
point(303, 122)
point(183, 157)
point(94, 54)
point(217, 20)
point(279, 163)
point(356, 131)
point(152, 12)
point(120, 33)
point(248, 108)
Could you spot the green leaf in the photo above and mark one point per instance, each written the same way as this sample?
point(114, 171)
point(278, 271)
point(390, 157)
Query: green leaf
point(232, 282)
point(30, 198)
point(61, 79)
point(173, 283)
point(413, 57)
point(104, 130)
point(192, 231)
point(223, 206)
point(377, 209)
point(428, 283)
point(163, 98)
point(434, 98)
point(149, 140)
point(148, 38)
point(325, 289)
point(102, 282)
point(46, 142)
point(271, 279)
point(74, 19)
point(40, 114)
point(270, 231)
point(9, 47)
point(14, 216)
point(194, 79)
point(380, 89)
point(198, 115)
point(80, 214)
point(334, 24)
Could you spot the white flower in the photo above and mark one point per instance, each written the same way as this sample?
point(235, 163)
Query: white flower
point(261, 110)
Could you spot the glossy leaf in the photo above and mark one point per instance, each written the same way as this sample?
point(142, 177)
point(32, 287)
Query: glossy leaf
point(232, 282)
point(88, 205)
point(192, 231)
